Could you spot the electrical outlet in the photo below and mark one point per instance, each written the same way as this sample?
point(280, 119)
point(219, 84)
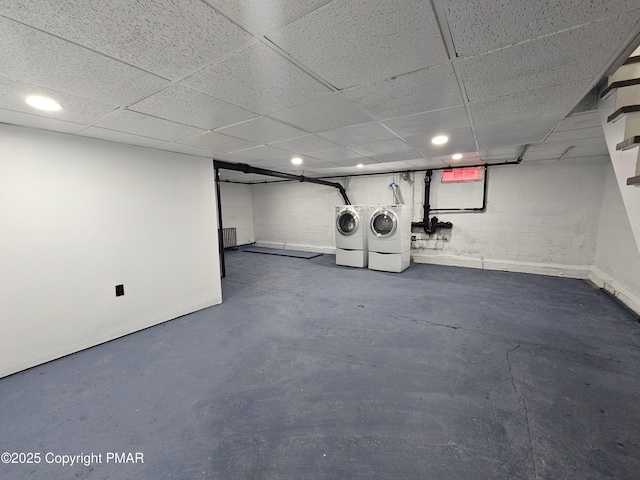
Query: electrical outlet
point(119, 290)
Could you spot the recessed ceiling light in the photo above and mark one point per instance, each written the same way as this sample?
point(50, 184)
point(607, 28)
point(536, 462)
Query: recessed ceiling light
point(456, 156)
point(440, 140)
point(359, 165)
point(296, 160)
point(43, 103)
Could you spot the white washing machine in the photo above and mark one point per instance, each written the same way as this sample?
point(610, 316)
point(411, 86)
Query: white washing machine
point(390, 238)
point(352, 223)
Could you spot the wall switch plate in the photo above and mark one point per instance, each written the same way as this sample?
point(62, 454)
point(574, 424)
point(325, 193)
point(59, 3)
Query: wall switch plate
point(119, 290)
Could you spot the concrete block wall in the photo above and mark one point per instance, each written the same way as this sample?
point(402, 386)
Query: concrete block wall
point(541, 217)
point(237, 210)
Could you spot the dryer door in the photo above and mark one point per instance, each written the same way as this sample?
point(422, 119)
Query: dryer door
point(347, 222)
point(384, 223)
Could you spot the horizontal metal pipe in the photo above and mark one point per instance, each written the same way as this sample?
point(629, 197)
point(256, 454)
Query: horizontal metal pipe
point(245, 168)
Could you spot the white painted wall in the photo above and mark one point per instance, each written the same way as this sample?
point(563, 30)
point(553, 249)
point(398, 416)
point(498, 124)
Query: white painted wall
point(237, 210)
point(617, 262)
point(541, 217)
point(78, 217)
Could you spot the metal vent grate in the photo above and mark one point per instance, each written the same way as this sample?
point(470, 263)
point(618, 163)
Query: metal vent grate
point(229, 239)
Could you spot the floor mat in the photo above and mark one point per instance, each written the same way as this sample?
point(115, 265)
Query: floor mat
point(282, 252)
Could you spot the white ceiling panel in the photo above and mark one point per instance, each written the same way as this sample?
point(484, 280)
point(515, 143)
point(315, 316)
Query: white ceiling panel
point(438, 121)
point(122, 137)
point(262, 130)
point(182, 104)
point(460, 141)
point(74, 108)
point(165, 37)
point(393, 145)
point(306, 144)
point(358, 134)
point(257, 79)
point(397, 156)
point(429, 89)
point(541, 102)
point(353, 161)
point(580, 120)
point(35, 121)
point(260, 16)
point(190, 150)
point(338, 155)
point(219, 143)
point(36, 57)
point(522, 138)
point(577, 134)
point(426, 163)
point(355, 42)
point(264, 152)
point(483, 26)
point(580, 53)
point(146, 126)
point(331, 110)
point(517, 127)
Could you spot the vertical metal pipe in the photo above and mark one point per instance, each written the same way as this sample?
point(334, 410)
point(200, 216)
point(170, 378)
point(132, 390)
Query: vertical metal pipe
point(220, 239)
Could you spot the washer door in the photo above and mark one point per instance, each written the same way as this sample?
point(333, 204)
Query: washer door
point(384, 223)
point(347, 222)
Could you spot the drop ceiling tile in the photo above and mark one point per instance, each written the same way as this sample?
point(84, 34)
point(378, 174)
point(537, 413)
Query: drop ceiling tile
point(522, 138)
point(146, 126)
point(544, 101)
point(460, 140)
point(189, 149)
point(216, 142)
point(329, 111)
point(483, 26)
point(546, 154)
point(580, 53)
point(429, 89)
point(262, 130)
point(358, 134)
point(182, 104)
point(257, 79)
point(260, 16)
point(397, 156)
point(353, 161)
point(580, 120)
point(36, 57)
point(577, 134)
point(393, 145)
point(35, 121)
point(427, 163)
point(122, 137)
point(306, 144)
point(74, 108)
point(354, 42)
point(338, 155)
point(580, 151)
point(429, 122)
point(517, 127)
point(309, 164)
point(264, 152)
point(165, 37)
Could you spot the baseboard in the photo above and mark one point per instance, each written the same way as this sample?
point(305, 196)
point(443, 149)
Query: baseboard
point(550, 269)
point(611, 285)
point(297, 246)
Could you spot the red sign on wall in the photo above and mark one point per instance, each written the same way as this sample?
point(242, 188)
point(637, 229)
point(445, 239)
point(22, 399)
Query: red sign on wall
point(467, 174)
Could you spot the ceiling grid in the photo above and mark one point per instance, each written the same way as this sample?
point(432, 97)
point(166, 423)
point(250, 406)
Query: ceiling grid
point(336, 82)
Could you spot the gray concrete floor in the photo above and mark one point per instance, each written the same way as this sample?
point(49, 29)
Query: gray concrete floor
point(309, 370)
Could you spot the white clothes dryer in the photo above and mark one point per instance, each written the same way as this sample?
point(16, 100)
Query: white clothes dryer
point(352, 223)
point(390, 229)
point(351, 227)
